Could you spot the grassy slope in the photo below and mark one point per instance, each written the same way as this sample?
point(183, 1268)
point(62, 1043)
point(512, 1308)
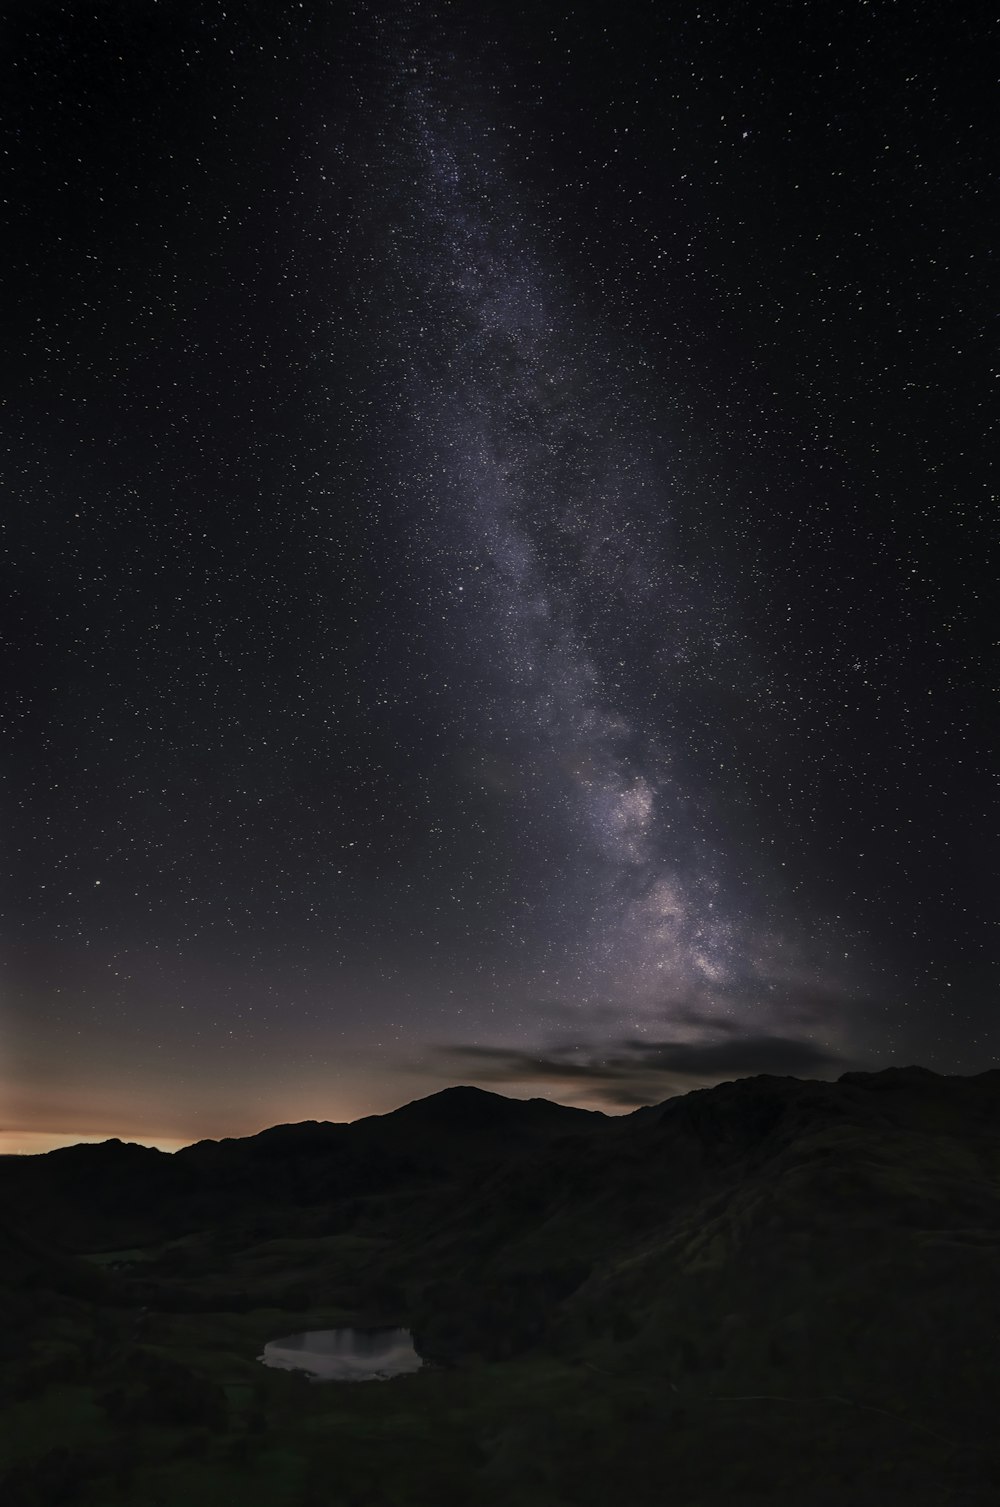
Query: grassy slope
point(771, 1292)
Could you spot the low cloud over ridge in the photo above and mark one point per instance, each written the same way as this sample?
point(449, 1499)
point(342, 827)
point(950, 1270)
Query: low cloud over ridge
point(630, 1072)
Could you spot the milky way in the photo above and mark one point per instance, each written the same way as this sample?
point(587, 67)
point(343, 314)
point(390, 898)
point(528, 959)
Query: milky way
point(499, 556)
point(543, 503)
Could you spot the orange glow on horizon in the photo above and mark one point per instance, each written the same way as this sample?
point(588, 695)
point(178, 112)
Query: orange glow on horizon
point(35, 1142)
point(139, 1116)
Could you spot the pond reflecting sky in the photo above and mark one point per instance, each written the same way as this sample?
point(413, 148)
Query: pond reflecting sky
point(345, 1354)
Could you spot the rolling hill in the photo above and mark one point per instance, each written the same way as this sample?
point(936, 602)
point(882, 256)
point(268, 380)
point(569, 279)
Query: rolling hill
point(808, 1267)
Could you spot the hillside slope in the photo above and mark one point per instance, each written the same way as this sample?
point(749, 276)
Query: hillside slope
point(774, 1290)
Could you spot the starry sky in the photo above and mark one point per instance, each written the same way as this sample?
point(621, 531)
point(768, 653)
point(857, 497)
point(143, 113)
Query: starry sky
point(497, 585)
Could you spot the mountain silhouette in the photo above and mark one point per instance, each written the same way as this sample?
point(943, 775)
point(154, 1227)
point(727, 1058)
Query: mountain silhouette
point(809, 1265)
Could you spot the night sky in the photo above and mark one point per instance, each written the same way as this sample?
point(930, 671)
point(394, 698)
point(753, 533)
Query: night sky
point(498, 584)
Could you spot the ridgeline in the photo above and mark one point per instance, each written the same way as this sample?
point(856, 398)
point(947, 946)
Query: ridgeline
point(773, 1291)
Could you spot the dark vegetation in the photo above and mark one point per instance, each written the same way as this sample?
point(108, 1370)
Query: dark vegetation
point(770, 1292)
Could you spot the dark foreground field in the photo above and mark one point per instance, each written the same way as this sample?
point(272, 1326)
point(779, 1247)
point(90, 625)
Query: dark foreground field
point(770, 1292)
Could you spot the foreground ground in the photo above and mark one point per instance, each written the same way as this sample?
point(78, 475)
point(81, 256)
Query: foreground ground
point(775, 1293)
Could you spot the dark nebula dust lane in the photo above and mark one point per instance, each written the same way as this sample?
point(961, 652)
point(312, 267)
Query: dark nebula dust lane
point(500, 549)
point(538, 480)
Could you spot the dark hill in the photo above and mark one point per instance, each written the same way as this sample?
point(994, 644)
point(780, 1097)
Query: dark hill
point(307, 1138)
point(797, 1275)
point(94, 1197)
point(464, 1125)
point(468, 1110)
point(26, 1265)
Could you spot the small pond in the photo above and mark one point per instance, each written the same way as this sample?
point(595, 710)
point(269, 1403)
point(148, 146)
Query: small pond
point(345, 1354)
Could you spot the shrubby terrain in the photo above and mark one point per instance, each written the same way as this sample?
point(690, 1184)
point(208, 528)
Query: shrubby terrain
point(769, 1292)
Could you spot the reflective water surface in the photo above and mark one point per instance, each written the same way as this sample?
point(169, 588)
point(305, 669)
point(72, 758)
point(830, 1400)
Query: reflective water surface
point(345, 1354)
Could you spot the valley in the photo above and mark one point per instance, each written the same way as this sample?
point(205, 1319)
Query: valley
point(771, 1291)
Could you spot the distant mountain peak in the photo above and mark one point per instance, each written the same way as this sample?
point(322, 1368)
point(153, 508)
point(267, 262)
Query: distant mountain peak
point(457, 1102)
point(466, 1108)
point(888, 1076)
point(468, 1092)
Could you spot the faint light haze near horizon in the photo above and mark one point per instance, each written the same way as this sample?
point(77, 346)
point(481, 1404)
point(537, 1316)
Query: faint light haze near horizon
point(489, 598)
